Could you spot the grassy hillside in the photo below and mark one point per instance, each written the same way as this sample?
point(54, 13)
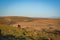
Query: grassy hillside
point(36, 23)
point(23, 34)
point(29, 32)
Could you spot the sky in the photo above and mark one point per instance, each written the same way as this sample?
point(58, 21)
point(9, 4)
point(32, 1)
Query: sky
point(30, 8)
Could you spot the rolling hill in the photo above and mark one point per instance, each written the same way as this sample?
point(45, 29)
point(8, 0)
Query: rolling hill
point(31, 23)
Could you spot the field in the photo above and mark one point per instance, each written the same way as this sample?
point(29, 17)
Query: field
point(29, 28)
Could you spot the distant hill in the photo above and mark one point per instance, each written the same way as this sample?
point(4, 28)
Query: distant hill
point(13, 19)
point(35, 23)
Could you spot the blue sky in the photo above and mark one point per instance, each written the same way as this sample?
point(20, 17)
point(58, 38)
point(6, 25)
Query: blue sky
point(30, 8)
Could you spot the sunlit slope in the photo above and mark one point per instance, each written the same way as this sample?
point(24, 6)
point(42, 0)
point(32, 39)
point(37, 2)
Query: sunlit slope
point(36, 23)
point(7, 30)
